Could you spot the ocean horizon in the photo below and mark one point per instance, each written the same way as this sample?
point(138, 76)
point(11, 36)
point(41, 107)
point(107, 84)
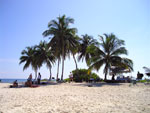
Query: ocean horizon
point(3, 80)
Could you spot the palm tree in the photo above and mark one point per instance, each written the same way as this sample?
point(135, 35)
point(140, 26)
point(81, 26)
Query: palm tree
point(86, 42)
point(75, 50)
point(125, 65)
point(147, 70)
point(30, 58)
point(109, 55)
point(62, 36)
point(45, 55)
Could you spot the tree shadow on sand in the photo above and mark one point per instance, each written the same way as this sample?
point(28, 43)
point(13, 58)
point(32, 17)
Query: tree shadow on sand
point(96, 84)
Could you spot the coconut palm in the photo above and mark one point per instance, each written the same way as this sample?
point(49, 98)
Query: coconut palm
point(45, 55)
point(75, 50)
point(86, 42)
point(30, 58)
point(125, 65)
point(62, 36)
point(109, 55)
point(147, 70)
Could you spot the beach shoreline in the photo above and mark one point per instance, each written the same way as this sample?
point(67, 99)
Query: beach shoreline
point(76, 98)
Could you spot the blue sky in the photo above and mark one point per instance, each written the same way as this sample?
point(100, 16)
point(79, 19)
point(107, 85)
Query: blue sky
point(22, 23)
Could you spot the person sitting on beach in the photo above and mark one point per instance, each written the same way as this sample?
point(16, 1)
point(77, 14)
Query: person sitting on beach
point(39, 78)
point(15, 84)
point(29, 81)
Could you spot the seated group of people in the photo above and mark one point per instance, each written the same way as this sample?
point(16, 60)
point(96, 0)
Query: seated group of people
point(29, 82)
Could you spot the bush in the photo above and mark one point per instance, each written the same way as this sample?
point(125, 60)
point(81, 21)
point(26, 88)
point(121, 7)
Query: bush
point(44, 80)
point(67, 80)
point(81, 75)
point(142, 81)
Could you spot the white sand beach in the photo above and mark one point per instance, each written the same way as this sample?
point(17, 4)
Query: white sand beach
point(76, 98)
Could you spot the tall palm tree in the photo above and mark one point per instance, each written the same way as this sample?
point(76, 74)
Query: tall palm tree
point(45, 55)
point(147, 70)
point(86, 42)
point(30, 58)
point(75, 50)
point(62, 36)
point(124, 65)
point(109, 55)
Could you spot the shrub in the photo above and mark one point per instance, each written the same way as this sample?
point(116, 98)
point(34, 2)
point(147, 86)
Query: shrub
point(44, 80)
point(67, 80)
point(81, 75)
point(142, 81)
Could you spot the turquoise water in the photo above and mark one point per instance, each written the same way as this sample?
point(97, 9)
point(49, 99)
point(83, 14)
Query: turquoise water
point(12, 80)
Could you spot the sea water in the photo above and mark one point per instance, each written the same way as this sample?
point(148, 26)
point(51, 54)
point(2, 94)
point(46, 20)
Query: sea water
point(12, 80)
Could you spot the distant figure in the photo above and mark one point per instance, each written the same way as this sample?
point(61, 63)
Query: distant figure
point(29, 78)
point(15, 84)
point(139, 75)
point(71, 76)
point(39, 78)
point(29, 81)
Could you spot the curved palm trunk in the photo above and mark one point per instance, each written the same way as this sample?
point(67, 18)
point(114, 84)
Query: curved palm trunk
point(75, 62)
point(50, 77)
point(58, 69)
point(76, 65)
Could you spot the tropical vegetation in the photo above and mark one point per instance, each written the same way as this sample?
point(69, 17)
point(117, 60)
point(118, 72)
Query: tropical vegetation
point(81, 75)
point(147, 70)
point(109, 54)
point(64, 42)
point(45, 55)
point(62, 37)
point(30, 59)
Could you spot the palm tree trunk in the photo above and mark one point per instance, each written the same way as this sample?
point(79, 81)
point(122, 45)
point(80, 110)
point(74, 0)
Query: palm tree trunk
point(75, 61)
point(35, 75)
point(106, 71)
point(63, 54)
point(113, 77)
point(58, 69)
point(50, 73)
point(76, 65)
point(62, 68)
point(105, 77)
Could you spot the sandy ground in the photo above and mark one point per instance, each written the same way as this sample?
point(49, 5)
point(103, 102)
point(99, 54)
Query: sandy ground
point(76, 98)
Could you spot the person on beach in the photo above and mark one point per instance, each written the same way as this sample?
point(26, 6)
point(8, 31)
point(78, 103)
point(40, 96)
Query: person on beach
point(15, 84)
point(39, 78)
point(29, 81)
point(71, 76)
